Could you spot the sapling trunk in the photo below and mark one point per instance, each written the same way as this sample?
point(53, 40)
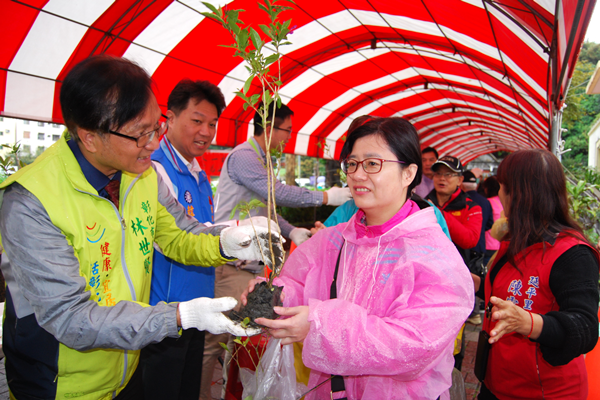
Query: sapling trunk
point(249, 46)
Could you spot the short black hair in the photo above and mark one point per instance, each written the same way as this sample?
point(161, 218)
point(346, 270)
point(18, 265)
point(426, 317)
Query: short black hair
point(188, 89)
point(399, 134)
point(430, 150)
point(103, 92)
point(491, 187)
point(281, 114)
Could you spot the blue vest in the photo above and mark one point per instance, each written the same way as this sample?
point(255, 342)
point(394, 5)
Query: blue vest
point(173, 281)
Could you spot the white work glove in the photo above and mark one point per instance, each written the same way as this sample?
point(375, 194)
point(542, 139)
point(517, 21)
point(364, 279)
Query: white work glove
point(259, 221)
point(246, 242)
point(300, 235)
point(205, 314)
point(337, 196)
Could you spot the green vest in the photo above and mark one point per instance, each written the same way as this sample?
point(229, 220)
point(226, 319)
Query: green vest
point(114, 248)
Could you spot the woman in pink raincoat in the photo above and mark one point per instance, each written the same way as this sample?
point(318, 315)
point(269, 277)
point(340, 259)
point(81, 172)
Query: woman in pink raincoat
point(402, 289)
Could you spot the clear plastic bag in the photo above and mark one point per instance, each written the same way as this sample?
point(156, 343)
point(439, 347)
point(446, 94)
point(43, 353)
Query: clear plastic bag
point(275, 377)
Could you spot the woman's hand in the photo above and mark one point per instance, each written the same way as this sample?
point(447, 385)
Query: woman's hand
point(250, 288)
point(318, 226)
point(293, 329)
point(512, 318)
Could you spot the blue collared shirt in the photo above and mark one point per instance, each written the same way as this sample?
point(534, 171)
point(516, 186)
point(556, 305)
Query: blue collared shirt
point(96, 178)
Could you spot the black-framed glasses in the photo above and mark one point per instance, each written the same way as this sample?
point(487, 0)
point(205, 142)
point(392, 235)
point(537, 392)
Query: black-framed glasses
point(147, 137)
point(370, 165)
point(289, 131)
point(446, 175)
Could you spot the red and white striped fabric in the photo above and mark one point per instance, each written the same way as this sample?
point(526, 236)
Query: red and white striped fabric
point(473, 76)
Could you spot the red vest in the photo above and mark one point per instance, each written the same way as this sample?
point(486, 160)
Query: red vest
point(516, 368)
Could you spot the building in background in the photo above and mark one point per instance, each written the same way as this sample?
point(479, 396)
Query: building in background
point(33, 136)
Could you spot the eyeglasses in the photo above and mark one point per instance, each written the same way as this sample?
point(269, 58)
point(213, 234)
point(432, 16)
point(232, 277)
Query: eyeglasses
point(147, 137)
point(370, 165)
point(289, 131)
point(446, 175)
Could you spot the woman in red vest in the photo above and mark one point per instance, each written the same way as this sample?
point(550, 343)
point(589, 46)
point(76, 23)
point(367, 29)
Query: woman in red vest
point(541, 288)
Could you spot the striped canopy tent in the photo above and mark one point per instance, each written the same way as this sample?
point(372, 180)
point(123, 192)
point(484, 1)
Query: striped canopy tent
point(473, 76)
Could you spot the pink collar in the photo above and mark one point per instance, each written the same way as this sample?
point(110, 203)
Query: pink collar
point(409, 208)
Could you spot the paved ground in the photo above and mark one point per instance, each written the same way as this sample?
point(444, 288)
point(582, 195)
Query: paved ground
point(3, 385)
point(472, 385)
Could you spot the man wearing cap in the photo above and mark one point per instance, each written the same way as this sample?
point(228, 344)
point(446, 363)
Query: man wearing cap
point(462, 214)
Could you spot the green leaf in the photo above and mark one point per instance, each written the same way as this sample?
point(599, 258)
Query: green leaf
point(238, 341)
point(210, 7)
point(271, 59)
point(256, 40)
point(215, 17)
point(262, 7)
point(223, 345)
point(242, 39)
point(248, 397)
point(254, 99)
point(267, 31)
point(255, 203)
point(248, 83)
point(241, 95)
point(232, 214)
point(245, 322)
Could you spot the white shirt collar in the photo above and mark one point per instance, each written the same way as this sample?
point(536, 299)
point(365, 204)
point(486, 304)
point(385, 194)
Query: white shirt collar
point(193, 166)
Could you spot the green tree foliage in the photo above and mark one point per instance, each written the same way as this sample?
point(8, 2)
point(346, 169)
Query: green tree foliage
point(582, 109)
point(307, 166)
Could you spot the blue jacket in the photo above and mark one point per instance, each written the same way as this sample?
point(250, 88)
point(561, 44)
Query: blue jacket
point(173, 281)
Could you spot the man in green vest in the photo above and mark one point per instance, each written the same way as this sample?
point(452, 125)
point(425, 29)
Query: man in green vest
point(78, 227)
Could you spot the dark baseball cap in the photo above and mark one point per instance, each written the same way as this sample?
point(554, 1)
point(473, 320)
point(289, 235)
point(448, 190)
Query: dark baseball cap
point(469, 177)
point(451, 162)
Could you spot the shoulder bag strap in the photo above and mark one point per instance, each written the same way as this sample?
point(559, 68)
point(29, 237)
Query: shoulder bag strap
point(337, 381)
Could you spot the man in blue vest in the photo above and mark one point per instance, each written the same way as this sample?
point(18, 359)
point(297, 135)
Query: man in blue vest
point(193, 110)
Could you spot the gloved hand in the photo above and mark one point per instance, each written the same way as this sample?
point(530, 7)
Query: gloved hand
point(337, 196)
point(259, 221)
point(205, 314)
point(246, 242)
point(300, 235)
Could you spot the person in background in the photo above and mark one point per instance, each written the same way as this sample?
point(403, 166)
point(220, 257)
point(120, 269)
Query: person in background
point(463, 217)
point(490, 188)
point(429, 156)
point(243, 178)
point(477, 254)
point(77, 228)
point(173, 367)
point(542, 288)
point(462, 214)
point(388, 282)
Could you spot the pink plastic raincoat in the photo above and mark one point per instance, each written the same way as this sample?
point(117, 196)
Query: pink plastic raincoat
point(402, 297)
